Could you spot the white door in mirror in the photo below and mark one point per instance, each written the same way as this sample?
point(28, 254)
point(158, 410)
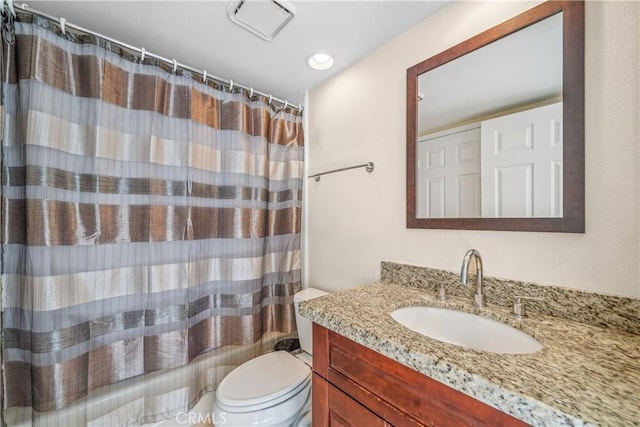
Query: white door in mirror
point(522, 164)
point(449, 174)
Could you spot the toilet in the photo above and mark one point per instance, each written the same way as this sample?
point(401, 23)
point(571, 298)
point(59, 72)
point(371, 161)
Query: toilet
point(273, 389)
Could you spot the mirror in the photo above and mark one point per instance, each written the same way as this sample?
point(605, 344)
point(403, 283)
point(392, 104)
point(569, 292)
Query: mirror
point(495, 127)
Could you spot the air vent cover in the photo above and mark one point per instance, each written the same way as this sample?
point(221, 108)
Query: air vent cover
point(264, 18)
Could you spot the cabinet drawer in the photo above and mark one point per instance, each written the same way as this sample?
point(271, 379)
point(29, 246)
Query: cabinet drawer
point(361, 372)
point(340, 409)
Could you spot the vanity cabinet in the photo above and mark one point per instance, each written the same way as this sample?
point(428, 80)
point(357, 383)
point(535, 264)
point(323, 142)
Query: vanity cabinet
point(356, 386)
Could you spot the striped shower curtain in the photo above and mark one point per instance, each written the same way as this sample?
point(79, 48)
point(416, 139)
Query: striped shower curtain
point(148, 220)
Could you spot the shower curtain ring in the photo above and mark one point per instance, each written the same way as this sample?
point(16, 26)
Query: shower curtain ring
point(230, 85)
point(270, 99)
point(251, 94)
point(286, 104)
point(299, 108)
point(143, 53)
point(63, 24)
point(175, 65)
point(204, 76)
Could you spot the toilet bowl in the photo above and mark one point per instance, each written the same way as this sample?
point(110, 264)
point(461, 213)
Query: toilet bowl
point(273, 389)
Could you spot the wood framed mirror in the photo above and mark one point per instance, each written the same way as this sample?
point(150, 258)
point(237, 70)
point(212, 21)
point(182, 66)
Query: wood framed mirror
point(497, 193)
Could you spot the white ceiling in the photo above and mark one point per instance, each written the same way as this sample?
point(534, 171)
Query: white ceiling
point(199, 34)
point(521, 69)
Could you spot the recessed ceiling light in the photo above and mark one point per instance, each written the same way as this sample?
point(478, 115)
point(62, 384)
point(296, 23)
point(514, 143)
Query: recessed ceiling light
point(320, 61)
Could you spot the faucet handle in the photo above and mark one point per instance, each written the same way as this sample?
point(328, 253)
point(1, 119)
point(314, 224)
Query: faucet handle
point(519, 309)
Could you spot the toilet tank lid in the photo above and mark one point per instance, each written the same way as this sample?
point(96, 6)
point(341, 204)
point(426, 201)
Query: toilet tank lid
point(307, 294)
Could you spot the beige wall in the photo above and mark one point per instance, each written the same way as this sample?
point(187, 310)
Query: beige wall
point(354, 219)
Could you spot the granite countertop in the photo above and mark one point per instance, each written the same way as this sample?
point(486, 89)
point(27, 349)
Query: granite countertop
point(584, 375)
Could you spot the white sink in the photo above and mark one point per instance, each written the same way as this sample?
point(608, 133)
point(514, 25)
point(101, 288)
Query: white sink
point(466, 330)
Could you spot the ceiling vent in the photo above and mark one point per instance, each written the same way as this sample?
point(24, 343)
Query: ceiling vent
point(264, 18)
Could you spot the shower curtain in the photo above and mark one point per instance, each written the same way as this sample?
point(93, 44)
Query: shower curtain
point(147, 219)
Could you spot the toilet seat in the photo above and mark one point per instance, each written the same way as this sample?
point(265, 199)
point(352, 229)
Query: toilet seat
point(262, 382)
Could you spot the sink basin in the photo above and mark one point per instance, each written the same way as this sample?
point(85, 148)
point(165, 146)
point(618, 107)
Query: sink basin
point(466, 330)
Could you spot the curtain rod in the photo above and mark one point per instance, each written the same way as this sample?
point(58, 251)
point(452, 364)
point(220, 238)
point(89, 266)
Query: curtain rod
point(230, 84)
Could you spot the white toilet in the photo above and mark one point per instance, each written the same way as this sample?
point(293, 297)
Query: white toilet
point(273, 389)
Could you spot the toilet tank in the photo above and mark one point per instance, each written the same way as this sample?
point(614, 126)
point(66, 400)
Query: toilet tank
point(304, 325)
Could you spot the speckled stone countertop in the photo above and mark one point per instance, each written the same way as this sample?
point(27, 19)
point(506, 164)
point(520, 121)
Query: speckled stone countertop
point(585, 375)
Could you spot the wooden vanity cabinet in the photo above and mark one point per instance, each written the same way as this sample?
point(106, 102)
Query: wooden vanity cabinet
point(356, 386)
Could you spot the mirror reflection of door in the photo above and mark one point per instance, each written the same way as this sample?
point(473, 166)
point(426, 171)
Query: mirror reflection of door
point(449, 174)
point(522, 164)
point(506, 167)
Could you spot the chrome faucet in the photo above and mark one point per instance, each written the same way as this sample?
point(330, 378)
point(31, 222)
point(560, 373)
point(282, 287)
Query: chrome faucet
point(464, 272)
